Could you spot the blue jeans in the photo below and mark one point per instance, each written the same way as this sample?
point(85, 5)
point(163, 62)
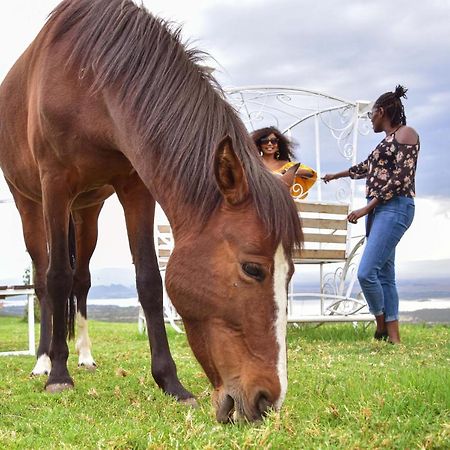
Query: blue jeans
point(376, 274)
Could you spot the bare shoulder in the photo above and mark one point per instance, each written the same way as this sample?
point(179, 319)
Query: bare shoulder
point(407, 135)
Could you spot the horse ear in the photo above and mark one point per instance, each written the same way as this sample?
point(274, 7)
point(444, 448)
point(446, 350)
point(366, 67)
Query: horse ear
point(230, 174)
point(288, 177)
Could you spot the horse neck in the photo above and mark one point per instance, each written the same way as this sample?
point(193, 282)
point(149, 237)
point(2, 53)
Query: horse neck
point(147, 161)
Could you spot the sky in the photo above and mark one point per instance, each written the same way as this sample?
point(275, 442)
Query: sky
point(352, 49)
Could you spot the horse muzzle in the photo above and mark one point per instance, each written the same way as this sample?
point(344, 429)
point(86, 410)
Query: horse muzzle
point(233, 406)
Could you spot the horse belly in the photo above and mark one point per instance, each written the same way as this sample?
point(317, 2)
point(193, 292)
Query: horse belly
point(16, 161)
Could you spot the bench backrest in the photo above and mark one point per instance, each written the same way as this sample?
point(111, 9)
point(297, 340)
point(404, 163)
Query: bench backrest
point(325, 229)
point(164, 244)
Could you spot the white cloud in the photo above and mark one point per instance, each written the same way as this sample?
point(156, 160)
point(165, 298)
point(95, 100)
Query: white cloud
point(433, 106)
point(427, 239)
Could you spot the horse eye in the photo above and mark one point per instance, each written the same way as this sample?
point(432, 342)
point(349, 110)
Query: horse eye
point(254, 271)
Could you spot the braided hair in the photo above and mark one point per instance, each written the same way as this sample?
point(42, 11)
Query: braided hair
point(393, 106)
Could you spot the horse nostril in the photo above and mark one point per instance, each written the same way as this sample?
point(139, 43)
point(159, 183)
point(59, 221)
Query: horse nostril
point(225, 410)
point(263, 405)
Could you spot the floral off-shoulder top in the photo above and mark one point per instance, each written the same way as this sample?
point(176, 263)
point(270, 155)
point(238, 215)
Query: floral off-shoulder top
point(390, 169)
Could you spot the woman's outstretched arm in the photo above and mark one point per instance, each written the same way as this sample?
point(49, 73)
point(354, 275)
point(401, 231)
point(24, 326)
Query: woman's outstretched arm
point(335, 176)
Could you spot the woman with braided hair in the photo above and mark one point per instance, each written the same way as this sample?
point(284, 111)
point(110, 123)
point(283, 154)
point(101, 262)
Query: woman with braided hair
point(390, 190)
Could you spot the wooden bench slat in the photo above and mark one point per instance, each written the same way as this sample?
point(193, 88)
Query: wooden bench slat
point(325, 238)
point(325, 224)
point(165, 241)
point(325, 255)
point(324, 208)
point(18, 286)
point(164, 229)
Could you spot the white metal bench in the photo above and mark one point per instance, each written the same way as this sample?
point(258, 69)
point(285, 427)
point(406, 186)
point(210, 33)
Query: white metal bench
point(28, 290)
point(164, 247)
point(327, 241)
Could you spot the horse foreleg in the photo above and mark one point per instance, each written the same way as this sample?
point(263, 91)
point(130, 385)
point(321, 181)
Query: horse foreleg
point(56, 208)
point(139, 207)
point(35, 242)
point(86, 232)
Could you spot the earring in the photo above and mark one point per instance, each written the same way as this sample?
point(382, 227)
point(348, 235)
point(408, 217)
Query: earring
point(277, 155)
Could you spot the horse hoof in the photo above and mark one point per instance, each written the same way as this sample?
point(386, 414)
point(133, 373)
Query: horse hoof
point(191, 402)
point(58, 387)
point(36, 373)
point(43, 366)
point(88, 367)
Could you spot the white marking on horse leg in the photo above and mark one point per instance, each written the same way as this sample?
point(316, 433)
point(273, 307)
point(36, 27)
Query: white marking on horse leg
point(43, 366)
point(280, 293)
point(83, 344)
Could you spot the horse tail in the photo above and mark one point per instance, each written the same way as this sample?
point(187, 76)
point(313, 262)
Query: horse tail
point(71, 306)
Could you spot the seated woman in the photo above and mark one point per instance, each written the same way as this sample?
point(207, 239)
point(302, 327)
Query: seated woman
point(276, 151)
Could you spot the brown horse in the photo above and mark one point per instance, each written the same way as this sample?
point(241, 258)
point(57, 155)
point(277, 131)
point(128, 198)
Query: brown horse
point(107, 96)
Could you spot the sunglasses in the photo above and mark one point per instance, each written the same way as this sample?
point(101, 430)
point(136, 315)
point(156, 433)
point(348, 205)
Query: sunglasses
point(370, 114)
point(265, 141)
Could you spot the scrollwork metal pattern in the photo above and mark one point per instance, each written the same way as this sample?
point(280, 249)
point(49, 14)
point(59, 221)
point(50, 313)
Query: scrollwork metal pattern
point(288, 107)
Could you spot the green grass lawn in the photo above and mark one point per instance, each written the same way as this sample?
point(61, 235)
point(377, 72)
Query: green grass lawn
point(345, 391)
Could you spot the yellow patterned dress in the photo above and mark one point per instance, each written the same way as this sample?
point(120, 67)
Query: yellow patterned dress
point(301, 185)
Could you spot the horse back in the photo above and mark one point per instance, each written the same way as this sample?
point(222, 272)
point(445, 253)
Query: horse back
point(51, 124)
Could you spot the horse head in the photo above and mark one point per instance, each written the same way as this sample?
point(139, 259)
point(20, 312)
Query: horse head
point(228, 281)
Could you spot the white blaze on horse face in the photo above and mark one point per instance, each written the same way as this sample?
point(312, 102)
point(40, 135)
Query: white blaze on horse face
point(83, 344)
point(43, 366)
point(281, 267)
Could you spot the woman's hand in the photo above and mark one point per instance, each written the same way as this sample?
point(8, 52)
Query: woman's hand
point(335, 176)
point(328, 177)
point(357, 214)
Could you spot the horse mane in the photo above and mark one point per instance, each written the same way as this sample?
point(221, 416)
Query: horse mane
point(177, 106)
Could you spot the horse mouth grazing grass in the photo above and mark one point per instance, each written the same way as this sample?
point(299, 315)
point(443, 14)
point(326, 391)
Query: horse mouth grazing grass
point(225, 410)
point(233, 407)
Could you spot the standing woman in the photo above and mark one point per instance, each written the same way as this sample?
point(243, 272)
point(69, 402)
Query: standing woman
point(276, 151)
point(390, 190)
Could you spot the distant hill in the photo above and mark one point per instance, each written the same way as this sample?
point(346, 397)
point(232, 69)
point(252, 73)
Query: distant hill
point(424, 288)
point(406, 271)
point(112, 291)
point(415, 283)
point(408, 289)
point(416, 280)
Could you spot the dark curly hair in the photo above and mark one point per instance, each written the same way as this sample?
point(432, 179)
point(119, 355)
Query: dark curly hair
point(393, 106)
point(285, 145)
